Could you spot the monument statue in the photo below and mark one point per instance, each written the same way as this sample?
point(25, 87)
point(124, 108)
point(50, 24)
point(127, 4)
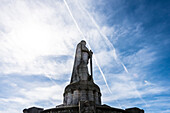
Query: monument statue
point(82, 95)
point(80, 68)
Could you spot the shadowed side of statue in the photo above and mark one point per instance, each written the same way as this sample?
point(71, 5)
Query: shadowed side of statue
point(80, 68)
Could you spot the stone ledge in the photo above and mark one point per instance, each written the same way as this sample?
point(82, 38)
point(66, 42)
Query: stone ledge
point(83, 85)
point(108, 108)
point(71, 108)
point(134, 110)
point(33, 110)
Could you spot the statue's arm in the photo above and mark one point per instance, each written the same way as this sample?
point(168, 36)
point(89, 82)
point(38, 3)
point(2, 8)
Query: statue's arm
point(89, 52)
point(84, 50)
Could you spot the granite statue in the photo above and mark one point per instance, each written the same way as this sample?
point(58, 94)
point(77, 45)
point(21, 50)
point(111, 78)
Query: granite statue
point(80, 68)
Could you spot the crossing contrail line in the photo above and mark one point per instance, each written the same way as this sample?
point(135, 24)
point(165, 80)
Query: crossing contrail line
point(68, 8)
point(139, 95)
point(75, 22)
point(124, 67)
point(105, 37)
point(110, 46)
point(105, 80)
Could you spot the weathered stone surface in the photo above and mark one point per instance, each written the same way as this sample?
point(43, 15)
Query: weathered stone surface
point(82, 91)
point(63, 109)
point(80, 68)
point(108, 109)
point(87, 107)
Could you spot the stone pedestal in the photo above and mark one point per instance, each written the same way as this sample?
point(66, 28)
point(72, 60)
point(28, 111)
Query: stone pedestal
point(82, 91)
point(87, 107)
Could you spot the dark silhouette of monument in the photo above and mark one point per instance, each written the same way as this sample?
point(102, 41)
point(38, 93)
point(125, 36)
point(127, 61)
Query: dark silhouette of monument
point(82, 95)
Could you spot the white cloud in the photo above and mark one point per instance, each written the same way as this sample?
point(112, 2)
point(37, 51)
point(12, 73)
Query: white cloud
point(41, 29)
point(33, 33)
point(43, 93)
point(32, 94)
point(135, 84)
point(142, 58)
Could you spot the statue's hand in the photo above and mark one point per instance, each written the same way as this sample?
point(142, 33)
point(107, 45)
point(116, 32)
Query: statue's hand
point(91, 53)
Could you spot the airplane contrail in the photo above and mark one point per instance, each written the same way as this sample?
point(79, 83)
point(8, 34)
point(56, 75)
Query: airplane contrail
point(105, 80)
point(75, 22)
point(78, 28)
point(110, 46)
point(105, 37)
point(124, 67)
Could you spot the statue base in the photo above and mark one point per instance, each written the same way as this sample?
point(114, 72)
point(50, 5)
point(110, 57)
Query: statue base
point(82, 91)
point(90, 107)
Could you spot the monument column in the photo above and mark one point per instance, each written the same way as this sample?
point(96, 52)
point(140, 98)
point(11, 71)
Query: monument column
point(82, 85)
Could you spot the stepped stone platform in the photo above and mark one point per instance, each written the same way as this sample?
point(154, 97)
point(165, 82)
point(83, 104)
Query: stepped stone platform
point(86, 109)
point(82, 95)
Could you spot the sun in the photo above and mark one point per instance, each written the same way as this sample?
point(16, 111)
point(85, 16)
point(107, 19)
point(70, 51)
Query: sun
point(31, 39)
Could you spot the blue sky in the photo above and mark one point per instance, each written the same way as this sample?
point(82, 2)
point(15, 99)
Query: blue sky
point(130, 41)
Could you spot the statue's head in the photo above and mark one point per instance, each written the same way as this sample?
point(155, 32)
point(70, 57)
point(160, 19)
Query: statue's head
point(83, 42)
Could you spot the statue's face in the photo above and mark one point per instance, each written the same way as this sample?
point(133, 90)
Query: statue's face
point(83, 43)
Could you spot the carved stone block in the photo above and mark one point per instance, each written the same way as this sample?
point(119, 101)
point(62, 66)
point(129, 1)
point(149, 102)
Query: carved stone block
point(87, 107)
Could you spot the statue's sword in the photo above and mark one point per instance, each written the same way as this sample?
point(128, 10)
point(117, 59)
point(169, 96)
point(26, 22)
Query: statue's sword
point(91, 68)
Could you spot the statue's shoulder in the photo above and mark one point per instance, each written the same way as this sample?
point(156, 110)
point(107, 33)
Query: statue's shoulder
point(78, 50)
point(79, 44)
